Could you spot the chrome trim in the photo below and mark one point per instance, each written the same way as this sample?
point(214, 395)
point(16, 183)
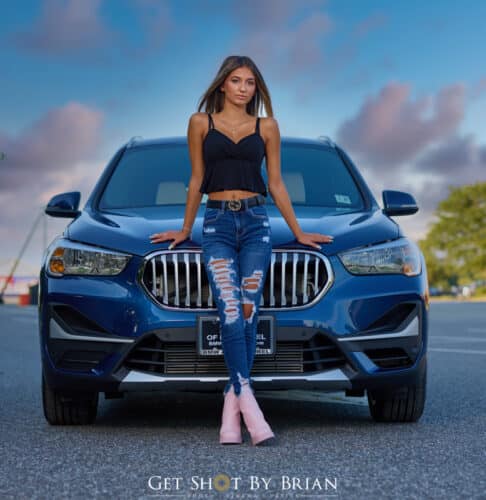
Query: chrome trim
point(57, 332)
point(199, 288)
point(283, 298)
point(135, 376)
point(272, 279)
point(299, 256)
point(411, 330)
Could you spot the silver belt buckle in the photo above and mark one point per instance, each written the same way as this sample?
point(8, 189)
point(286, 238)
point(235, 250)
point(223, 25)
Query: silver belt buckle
point(234, 205)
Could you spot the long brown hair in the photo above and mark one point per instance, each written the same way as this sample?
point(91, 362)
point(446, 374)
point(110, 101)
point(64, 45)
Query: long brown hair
point(213, 98)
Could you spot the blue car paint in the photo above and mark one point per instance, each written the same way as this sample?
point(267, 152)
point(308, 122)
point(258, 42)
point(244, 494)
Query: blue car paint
point(120, 306)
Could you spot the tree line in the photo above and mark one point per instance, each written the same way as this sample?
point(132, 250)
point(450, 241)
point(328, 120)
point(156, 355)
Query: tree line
point(455, 245)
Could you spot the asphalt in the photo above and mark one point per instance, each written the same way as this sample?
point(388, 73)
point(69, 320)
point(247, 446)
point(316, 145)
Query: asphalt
point(328, 445)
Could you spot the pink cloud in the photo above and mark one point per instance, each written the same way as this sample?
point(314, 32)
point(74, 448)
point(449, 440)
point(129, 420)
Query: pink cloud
point(478, 89)
point(76, 28)
point(370, 23)
point(459, 158)
point(270, 15)
point(304, 49)
point(391, 128)
point(54, 143)
point(65, 27)
point(157, 26)
point(288, 38)
point(55, 154)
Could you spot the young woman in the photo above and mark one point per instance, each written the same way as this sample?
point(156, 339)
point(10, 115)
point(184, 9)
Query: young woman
point(226, 145)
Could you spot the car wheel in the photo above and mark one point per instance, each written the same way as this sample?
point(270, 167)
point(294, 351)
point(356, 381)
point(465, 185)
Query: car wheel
point(68, 409)
point(405, 404)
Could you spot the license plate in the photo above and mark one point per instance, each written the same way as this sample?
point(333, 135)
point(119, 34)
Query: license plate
point(209, 336)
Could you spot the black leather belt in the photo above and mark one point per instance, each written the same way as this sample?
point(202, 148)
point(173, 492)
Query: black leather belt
point(237, 205)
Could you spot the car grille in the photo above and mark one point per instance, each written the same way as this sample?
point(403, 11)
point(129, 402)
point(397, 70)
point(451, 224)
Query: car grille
point(295, 279)
point(181, 358)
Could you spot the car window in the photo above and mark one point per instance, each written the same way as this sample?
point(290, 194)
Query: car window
point(159, 175)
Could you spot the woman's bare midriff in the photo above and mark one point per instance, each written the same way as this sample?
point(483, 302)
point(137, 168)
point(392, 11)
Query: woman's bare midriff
point(230, 194)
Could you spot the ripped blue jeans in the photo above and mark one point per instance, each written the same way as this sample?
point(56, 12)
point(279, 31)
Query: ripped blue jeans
point(237, 249)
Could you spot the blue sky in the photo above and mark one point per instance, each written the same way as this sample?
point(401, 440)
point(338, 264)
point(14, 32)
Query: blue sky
point(400, 85)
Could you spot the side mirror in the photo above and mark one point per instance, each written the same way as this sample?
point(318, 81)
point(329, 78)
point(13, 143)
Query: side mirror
point(64, 205)
point(398, 203)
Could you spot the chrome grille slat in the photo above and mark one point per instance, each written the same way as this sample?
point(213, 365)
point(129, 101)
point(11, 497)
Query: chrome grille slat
point(304, 277)
point(198, 267)
point(154, 279)
point(272, 280)
point(176, 278)
point(296, 285)
point(283, 299)
point(164, 267)
point(294, 278)
point(188, 283)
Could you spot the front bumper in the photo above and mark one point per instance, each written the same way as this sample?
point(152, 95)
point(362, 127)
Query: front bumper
point(374, 336)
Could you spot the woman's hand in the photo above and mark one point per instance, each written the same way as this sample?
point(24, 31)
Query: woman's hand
point(312, 238)
point(177, 236)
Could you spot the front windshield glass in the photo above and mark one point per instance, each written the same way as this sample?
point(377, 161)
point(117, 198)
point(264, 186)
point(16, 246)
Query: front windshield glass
point(155, 175)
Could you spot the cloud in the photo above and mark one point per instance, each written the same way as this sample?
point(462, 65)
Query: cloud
point(66, 27)
point(75, 28)
point(270, 34)
point(414, 146)
point(57, 153)
point(271, 15)
point(156, 26)
point(459, 160)
point(52, 144)
point(370, 23)
point(478, 89)
point(391, 128)
point(288, 38)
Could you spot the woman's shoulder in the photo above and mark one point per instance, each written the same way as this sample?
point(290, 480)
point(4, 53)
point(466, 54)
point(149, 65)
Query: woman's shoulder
point(268, 126)
point(198, 122)
point(198, 117)
point(268, 121)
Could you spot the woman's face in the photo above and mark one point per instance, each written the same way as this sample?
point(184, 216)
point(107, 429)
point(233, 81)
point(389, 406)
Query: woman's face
point(240, 86)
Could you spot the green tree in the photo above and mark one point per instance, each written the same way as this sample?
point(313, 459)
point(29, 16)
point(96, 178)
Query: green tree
point(455, 246)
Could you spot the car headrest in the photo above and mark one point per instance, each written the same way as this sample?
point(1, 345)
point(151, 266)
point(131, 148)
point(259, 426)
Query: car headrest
point(171, 192)
point(295, 186)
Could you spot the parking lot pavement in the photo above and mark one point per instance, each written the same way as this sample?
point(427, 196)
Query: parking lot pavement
point(149, 440)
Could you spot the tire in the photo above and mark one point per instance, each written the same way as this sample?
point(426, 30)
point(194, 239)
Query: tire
point(68, 409)
point(405, 404)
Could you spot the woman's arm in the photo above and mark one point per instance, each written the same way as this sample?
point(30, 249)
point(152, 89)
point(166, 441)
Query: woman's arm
point(195, 134)
point(277, 189)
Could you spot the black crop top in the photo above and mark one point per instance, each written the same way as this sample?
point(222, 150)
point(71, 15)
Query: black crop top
point(233, 165)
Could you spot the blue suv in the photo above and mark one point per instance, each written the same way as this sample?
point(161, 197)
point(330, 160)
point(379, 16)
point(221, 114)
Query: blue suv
point(118, 313)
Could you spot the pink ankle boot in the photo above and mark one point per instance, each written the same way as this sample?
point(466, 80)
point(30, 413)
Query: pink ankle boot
point(230, 432)
point(255, 422)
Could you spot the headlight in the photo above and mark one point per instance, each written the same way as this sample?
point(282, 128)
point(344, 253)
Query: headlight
point(401, 256)
point(68, 258)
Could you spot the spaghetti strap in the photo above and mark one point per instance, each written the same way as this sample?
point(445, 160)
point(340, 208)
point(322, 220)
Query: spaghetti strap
point(257, 128)
point(211, 123)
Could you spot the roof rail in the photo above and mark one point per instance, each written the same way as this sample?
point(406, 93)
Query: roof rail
point(133, 140)
point(326, 140)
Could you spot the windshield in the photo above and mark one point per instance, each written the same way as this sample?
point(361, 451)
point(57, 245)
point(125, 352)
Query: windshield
point(158, 175)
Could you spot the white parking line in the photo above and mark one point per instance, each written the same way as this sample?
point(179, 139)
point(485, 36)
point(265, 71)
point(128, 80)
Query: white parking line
point(460, 351)
point(458, 339)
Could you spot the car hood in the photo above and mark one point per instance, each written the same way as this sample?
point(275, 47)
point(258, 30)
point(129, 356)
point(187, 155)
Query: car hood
point(129, 230)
